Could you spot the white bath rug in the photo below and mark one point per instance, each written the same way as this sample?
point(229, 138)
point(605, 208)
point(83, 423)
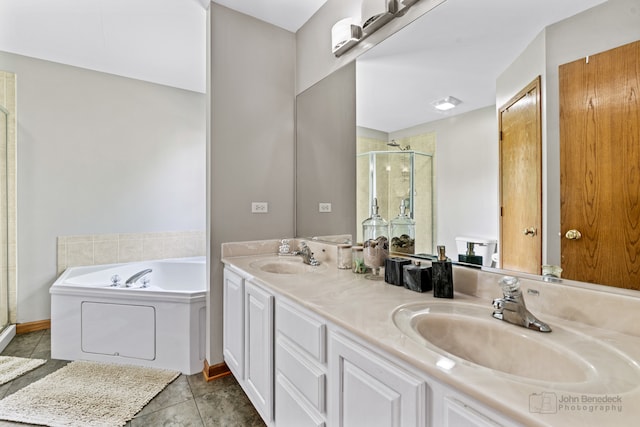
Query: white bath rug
point(86, 394)
point(13, 367)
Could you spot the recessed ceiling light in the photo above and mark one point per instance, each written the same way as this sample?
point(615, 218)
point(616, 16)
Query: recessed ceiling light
point(446, 103)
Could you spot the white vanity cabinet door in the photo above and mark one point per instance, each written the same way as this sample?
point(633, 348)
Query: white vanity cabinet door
point(258, 310)
point(233, 323)
point(367, 390)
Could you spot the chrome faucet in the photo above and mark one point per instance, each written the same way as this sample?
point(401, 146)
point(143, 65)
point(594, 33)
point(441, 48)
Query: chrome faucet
point(139, 275)
point(307, 255)
point(511, 307)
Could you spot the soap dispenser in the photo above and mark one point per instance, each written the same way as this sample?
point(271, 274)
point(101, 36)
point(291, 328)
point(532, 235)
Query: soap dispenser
point(442, 275)
point(375, 230)
point(403, 232)
point(470, 257)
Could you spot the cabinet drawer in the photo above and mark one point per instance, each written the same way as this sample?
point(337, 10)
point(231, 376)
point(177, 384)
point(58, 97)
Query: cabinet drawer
point(302, 329)
point(291, 410)
point(307, 378)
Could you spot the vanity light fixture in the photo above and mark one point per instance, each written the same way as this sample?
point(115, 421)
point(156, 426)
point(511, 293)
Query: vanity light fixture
point(446, 104)
point(348, 32)
point(345, 34)
point(376, 13)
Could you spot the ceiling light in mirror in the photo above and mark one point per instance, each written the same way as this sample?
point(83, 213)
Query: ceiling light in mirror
point(446, 104)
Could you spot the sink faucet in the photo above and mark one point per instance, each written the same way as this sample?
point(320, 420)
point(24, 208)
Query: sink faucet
point(511, 307)
point(307, 255)
point(133, 279)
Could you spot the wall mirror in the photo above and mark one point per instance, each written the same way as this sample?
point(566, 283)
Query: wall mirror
point(465, 161)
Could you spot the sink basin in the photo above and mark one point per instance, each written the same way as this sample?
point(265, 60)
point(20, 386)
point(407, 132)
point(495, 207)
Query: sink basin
point(293, 265)
point(468, 334)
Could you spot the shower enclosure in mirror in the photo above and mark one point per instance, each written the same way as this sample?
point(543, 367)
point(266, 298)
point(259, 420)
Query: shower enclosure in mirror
point(4, 264)
point(392, 176)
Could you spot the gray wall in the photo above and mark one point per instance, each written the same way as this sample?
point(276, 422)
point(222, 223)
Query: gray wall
point(326, 155)
point(99, 153)
point(251, 147)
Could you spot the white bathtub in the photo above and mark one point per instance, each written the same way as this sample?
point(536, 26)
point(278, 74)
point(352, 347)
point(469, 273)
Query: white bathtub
point(161, 325)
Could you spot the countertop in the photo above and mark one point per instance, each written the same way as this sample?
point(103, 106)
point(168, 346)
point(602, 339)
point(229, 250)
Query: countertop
point(365, 308)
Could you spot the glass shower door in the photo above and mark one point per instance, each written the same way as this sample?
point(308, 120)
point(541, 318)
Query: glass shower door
point(4, 264)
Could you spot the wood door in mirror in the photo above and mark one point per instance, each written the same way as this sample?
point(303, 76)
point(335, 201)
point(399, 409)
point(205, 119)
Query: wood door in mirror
point(600, 167)
point(521, 181)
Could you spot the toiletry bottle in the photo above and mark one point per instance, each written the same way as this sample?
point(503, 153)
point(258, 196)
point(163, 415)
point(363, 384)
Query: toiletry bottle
point(442, 275)
point(403, 232)
point(374, 226)
point(375, 230)
point(470, 257)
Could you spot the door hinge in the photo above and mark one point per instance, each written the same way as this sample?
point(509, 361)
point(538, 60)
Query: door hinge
point(500, 136)
point(501, 211)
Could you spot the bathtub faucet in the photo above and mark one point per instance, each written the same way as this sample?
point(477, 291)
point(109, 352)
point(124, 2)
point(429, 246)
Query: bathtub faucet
point(133, 279)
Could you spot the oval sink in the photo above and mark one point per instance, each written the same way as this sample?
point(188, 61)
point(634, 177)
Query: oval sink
point(468, 334)
point(284, 266)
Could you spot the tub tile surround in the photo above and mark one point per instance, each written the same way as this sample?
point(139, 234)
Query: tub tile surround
point(96, 249)
point(364, 308)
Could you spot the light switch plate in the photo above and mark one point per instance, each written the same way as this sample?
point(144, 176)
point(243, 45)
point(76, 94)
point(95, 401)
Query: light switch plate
point(259, 207)
point(324, 207)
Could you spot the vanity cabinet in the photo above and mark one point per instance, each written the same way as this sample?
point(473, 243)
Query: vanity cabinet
point(301, 373)
point(366, 389)
point(298, 369)
point(248, 339)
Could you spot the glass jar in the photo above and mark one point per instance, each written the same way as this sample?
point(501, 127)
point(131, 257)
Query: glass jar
point(403, 232)
point(357, 260)
point(344, 257)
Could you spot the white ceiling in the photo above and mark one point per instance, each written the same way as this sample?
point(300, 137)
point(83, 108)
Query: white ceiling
point(164, 41)
point(161, 41)
point(458, 49)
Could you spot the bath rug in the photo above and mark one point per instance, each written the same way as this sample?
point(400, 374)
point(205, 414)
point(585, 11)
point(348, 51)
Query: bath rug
point(86, 394)
point(12, 367)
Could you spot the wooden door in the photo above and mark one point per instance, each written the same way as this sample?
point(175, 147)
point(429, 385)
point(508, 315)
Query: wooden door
point(600, 167)
point(521, 182)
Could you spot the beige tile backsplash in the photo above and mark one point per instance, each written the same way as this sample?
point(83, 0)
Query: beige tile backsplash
point(95, 249)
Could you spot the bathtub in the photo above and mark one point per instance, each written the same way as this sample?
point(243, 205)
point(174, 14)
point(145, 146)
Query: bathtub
point(156, 324)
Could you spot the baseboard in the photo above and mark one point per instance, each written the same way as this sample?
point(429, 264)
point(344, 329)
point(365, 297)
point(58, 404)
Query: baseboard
point(211, 373)
point(39, 325)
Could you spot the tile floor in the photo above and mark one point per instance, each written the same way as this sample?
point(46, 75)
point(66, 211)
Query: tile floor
point(187, 401)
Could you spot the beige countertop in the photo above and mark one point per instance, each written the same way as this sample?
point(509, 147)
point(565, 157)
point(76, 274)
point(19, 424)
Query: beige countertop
point(609, 394)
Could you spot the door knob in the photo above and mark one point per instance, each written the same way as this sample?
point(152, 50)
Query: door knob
point(573, 235)
point(530, 231)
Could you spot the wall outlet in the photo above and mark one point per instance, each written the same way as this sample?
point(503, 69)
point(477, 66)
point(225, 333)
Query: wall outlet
point(259, 207)
point(324, 207)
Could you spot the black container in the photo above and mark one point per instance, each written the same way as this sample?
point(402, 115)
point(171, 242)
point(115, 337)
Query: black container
point(442, 275)
point(471, 259)
point(393, 270)
point(417, 278)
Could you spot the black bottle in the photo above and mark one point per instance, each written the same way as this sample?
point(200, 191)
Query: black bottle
point(442, 275)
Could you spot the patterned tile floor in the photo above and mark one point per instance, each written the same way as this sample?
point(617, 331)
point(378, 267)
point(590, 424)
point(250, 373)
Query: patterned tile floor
point(187, 401)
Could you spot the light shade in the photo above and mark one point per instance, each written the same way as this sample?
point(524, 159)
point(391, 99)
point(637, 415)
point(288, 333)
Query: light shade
point(345, 31)
point(446, 103)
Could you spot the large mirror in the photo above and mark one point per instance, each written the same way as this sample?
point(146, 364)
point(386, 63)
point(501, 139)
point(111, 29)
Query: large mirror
point(398, 80)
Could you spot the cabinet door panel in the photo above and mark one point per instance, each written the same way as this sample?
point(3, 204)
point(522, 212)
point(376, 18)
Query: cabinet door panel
point(259, 349)
point(457, 414)
point(233, 323)
point(366, 389)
